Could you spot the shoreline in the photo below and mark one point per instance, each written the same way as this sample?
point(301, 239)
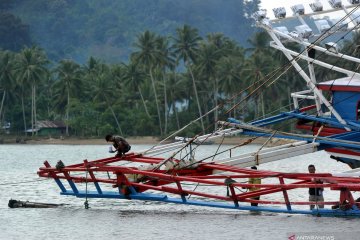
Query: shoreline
point(134, 140)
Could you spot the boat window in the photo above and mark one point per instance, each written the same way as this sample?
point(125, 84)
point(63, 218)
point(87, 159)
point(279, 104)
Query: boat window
point(358, 111)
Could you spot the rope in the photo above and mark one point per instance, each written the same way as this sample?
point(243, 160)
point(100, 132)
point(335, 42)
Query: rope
point(261, 147)
point(173, 155)
point(222, 140)
point(193, 150)
point(86, 203)
point(176, 132)
point(239, 145)
point(318, 132)
point(194, 189)
point(15, 183)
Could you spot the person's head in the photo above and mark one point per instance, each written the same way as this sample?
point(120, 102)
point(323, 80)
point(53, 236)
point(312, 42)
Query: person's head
point(311, 168)
point(108, 137)
point(254, 167)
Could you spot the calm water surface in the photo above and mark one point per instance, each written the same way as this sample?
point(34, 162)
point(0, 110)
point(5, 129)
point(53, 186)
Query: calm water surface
point(123, 219)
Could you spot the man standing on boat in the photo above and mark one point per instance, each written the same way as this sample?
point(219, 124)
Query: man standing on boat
point(119, 143)
point(315, 194)
point(251, 189)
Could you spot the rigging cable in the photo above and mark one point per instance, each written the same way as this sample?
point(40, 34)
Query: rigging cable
point(215, 108)
point(288, 65)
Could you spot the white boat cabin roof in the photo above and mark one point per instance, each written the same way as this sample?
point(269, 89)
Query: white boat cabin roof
point(346, 84)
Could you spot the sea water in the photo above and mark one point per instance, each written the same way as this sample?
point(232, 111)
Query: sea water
point(124, 219)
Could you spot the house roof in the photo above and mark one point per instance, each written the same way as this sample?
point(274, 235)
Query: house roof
point(50, 124)
point(346, 84)
point(47, 124)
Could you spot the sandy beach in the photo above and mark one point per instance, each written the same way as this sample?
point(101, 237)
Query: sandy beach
point(132, 140)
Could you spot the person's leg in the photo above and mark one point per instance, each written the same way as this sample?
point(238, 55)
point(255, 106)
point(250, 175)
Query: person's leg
point(312, 199)
point(255, 204)
point(320, 199)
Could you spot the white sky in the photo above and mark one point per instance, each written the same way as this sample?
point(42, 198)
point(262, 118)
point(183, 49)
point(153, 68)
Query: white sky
point(270, 4)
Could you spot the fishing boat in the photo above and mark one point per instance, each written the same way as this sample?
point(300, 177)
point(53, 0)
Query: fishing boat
point(331, 124)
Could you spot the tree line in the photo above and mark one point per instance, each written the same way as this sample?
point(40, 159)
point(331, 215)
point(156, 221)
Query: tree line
point(167, 82)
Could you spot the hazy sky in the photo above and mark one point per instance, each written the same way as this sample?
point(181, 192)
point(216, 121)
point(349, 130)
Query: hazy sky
point(270, 4)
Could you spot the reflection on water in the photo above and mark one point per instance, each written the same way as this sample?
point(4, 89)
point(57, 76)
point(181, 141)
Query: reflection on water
point(123, 219)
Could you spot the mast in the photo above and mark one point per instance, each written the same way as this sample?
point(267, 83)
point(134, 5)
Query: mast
point(301, 36)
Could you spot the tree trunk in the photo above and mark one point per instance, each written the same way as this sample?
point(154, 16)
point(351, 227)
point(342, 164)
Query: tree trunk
point(176, 115)
point(156, 101)
point(67, 113)
point(243, 108)
point(116, 120)
point(23, 110)
point(207, 109)
point(234, 111)
point(2, 103)
point(32, 110)
point(166, 105)
point(262, 105)
point(197, 97)
point(35, 115)
point(216, 103)
point(143, 101)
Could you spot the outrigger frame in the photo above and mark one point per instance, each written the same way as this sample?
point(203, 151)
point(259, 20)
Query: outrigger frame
point(173, 185)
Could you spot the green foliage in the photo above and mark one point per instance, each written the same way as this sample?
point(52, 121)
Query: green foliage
point(105, 29)
point(14, 34)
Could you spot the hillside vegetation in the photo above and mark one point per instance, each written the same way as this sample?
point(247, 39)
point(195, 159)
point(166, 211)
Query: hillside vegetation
point(78, 29)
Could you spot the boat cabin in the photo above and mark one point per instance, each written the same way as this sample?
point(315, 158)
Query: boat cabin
point(346, 96)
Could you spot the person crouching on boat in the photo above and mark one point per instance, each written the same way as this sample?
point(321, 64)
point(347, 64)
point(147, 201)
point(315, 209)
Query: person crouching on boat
point(119, 143)
point(251, 189)
point(315, 194)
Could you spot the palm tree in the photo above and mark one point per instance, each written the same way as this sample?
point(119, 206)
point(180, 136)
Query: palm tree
point(91, 67)
point(6, 77)
point(209, 55)
point(69, 80)
point(103, 88)
point(30, 69)
point(259, 42)
point(148, 55)
point(186, 47)
point(166, 61)
point(134, 77)
point(257, 68)
point(253, 73)
point(177, 93)
point(229, 69)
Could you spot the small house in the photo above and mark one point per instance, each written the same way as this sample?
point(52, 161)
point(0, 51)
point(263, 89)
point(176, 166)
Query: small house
point(49, 128)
